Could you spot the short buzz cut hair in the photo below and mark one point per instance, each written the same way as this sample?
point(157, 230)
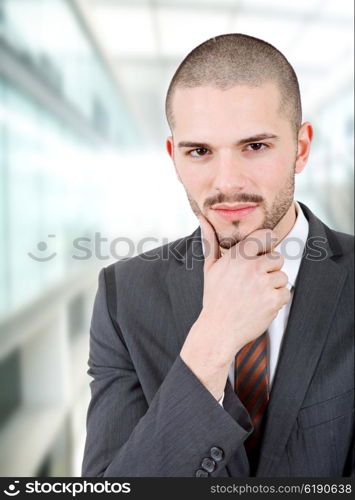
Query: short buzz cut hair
point(237, 59)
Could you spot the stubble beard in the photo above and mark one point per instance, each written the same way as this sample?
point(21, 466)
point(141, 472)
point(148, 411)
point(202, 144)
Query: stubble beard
point(272, 214)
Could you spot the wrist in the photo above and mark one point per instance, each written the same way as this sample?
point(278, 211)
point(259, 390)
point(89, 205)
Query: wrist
point(203, 348)
point(209, 338)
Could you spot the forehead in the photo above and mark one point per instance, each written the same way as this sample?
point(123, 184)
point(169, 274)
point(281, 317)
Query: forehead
point(206, 108)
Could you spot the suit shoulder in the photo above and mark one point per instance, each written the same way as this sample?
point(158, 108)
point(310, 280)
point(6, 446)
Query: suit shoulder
point(150, 263)
point(341, 244)
point(344, 241)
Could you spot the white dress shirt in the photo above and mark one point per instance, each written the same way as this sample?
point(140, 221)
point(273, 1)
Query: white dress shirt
point(291, 248)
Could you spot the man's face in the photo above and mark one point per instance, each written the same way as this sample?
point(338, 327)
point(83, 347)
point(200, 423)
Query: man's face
point(234, 148)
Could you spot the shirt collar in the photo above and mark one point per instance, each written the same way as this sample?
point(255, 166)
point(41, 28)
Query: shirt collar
point(292, 246)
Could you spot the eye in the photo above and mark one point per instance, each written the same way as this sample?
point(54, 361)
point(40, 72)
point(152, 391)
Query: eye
point(256, 146)
point(198, 152)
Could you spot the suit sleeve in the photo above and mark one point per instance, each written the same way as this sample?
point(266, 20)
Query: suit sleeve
point(127, 437)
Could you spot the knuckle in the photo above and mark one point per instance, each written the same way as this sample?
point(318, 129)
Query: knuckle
point(281, 260)
point(284, 277)
point(274, 255)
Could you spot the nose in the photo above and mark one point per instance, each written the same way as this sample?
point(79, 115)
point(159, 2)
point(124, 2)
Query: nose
point(230, 173)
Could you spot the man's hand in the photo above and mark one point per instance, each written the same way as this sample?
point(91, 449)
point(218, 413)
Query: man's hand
point(244, 290)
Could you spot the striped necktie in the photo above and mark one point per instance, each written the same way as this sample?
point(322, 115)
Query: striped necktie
point(251, 386)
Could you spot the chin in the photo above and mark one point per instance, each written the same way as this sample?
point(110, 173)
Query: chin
point(228, 239)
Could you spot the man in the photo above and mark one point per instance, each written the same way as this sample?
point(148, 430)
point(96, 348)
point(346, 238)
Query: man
point(229, 353)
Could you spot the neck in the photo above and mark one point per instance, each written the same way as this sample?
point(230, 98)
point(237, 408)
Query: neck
point(286, 223)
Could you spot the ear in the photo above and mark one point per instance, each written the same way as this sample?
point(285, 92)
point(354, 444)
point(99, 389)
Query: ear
point(170, 149)
point(305, 135)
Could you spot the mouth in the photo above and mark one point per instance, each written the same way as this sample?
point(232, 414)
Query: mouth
point(234, 211)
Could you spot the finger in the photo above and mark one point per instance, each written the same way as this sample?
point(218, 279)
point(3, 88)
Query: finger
point(284, 295)
point(211, 246)
point(278, 279)
point(271, 261)
point(280, 297)
point(258, 242)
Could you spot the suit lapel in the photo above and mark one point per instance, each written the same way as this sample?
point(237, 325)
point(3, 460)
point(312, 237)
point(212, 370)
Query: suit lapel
point(185, 285)
point(316, 295)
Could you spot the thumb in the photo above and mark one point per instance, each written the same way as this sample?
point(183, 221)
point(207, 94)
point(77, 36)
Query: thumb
point(211, 246)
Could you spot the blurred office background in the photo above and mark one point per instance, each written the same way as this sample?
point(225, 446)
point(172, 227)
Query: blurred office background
point(85, 177)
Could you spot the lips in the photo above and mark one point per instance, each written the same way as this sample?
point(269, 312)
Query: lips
point(234, 211)
point(235, 206)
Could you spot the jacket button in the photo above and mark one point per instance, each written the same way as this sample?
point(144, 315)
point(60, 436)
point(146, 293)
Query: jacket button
point(216, 453)
point(208, 464)
point(201, 473)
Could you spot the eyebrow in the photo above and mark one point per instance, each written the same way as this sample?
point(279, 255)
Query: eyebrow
point(241, 142)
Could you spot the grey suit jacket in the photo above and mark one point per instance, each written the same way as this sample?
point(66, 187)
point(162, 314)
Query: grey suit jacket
point(150, 415)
